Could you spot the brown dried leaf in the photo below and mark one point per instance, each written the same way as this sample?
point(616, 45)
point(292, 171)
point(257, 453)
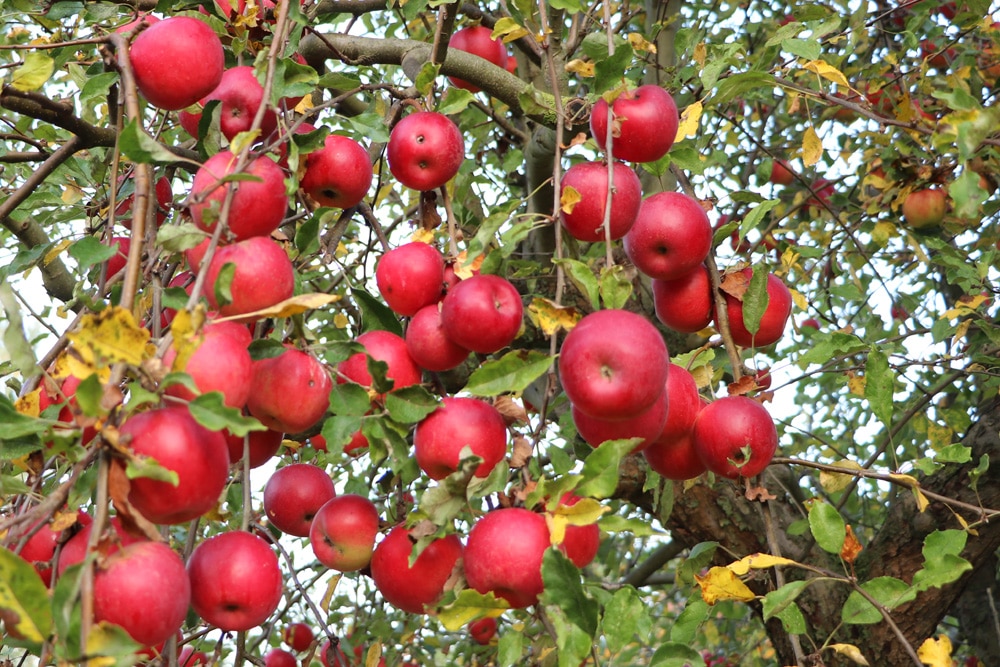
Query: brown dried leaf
point(511, 410)
point(521, 453)
point(759, 493)
point(132, 521)
point(743, 386)
point(735, 284)
point(849, 552)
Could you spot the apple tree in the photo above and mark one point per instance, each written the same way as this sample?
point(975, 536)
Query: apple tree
point(354, 332)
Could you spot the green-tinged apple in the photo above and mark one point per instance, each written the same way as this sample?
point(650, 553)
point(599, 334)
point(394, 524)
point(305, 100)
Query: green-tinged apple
point(613, 364)
point(671, 236)
point(240, 96)
point(415, 587)
point(221, 362)
point(735, 437)
point(925, 209)
point(262, 276)
point(382, 346)
point(410, 277)
point(583, 218)
point(425, 150)
point(477, 40)
point(236, 580)
point(429, 345)
point(482, 313)
point(458, 424)
point(292, 391)
point(258, 206)
point(178, 443)
point(503, 555)
point(176, 62)
point(646, 425)
point(685, 303)
point(342, 534)
point(293, 494)
point(773, 321)
point(645, 122)
point(339, 174)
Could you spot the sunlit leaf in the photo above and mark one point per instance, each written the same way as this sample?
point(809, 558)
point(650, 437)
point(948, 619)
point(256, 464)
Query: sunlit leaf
point(720, 584)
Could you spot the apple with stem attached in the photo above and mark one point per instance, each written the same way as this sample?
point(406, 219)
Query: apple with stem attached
point(735, 437)
point(339, 174)
point(671, 236)
point(342, 534)
point(262, 276)
point(292, 391)
point(293, 494)
point(583, 214)
point(477, 40)
point(417, 586)
point(410, 277)
point(644, 124)
point(684, 304)
point(482, 313)
point(460, 423)
point(425, 150)
point(925, 209)
point(176, 62)
point(503, 555)
point(258, 206)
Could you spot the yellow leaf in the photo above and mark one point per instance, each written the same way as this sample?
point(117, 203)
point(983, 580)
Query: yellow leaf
point(856, 383)
point(689, 121)
point(550, 317)
point(111, 336)
point(961, 330)
point(584, 512)
point(288, 307)
point(702, 376)
point(828, 72)
point(700, 54)
point(186, 330)
point(581, 67)
point(465, 270)
point(423, 236)
point(640, 43)
point(30, 403)
point(341, 321)
point(936, 652)
point(758, 562)
point(71, 194)
point(882, 232)
point(56, 251)
point(569, 198)
point(798, 299)
point(850, 652)
point(812, 147)
point(34, 72)
point(832, 482)
point(965, 306)
point(470, 605)
point(557, 528)
point(331, 587)
point(722, 584)
point(911, 483)
point(508, 29)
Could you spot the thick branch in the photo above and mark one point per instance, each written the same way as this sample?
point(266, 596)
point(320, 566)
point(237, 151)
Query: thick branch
point(55, 113)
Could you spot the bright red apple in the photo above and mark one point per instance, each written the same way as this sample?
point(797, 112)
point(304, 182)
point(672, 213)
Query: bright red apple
point(646, 425)
point(120, 258)
point(176, 62)
point(220, 363)
point(684, 404)
point(645, 124)
point(482, 313)
point(277, 657)
point(262, 276)
point(735, 437)
point(675, 456)
point(164, 198)
point(240, 96)
point(410, 277)
point(414, 587)
point(483, 630)
point(425, 150)
point(684, 304)
point(458, 424)
point(503, 555)
point(188, 657)
point(382, 346)
point(262, 444)
point(773, 321)
point(478, 40)
point(257, 207)
point(339, 174)
point(297, 636)
point(580, 543)
point(781, 173)
point(292, 391)
point(429, 345)
point(585, 219)
point(342, 534)
point(293, 494)
point(671, 236)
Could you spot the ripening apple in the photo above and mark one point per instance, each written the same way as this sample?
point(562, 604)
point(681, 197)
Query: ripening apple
point(339, 174)
point(645, 122)
point(291, 391)
point(613, 364)
point(342, 534)
point(293, 494)
point(298, 636)
point(584, 219)
point(382, 346)
point(40, 548)
point(684, 304)
point(262, 276)
point(482, 313)
point(176, 62)
point(221, 362)
point(503, 555)
point(240, 96)
point(925, 209)
point(429, 345)
point(460, 423)
point(781, 173)
point(772, 322)
point(415, 587)
point(735, 437)
point(425, 150)
point(477, 40)
point(236, 580)
point(671, 236)
point(178, 443)
point(258, 206)
point(410, 277)
point(646, 425)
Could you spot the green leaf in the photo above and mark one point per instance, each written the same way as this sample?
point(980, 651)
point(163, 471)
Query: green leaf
point(424, 82)
point(685, 628)
point(616, 523)
point(139, 147)
point(468, 606)
point(88, 395)
point(307, 235)
point(266, 348)
point(34, 72)
point(886, 591)
point(740, 84)
point(150, 468)
point(609, 72)
point(24, 603)
point(223, 287)
point(211, 411)
point(573, 6)
point(826, 346)
point(879, 385)
point(700, 557)
point(14, 425)
point(510, 648)
point(350, 398)
point(616, 286)
point(583, 278)
point(966, 195)
point(943, 563)
point(15, 339)
point(803, 48)
point(755, 299)
point(574, 644)
point(89, 251)
point(455, 101)
point(338, 431)
point(408, 405)
point(600, 469)
point(626, 617)
point(672, 654)
point(375, 314)
point(753, 219)
point(792, 619)
point(827, 526)
point(564, 590)
point(107, 639)
point(780, 599)
point(511, 373)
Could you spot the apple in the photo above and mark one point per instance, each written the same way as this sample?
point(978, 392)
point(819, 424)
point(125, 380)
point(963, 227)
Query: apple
point(339, 174)
point(143, 588)
point(925, 209)
point(240, 95)
point(342, 534)
point(675, 456)
point(410, 277)
point(164, 198)
point(477, 40)
point(735, 437)
point(781, 173)
point(257, 207)
point(120, 259)
point(293, 494)
point(425, 150)
point(417, 586)
point(503, 555)
point(40, 548)
point(262, 276)
point(645, 122)
point(236, 580)
point(429, 345)
point(113, 538)
point(585, 221)
point(762, 378)
point(148, 19)
point(684, 404)
point(277, 657)
point(382, 346)
point(178, 443)
point(263, 445)
point(671, 236)
point(460, 423)
point(292, 391)
point(613, 364)
point(297, 636)
point(810, 323)
point(188, 657)
point(482, 313)
point(332, 655)
point(685, 304)
point(221, 362)
point(773, 321)
point(483, 630)
point(176, 62)
point(580, 543)
point(822, 190)
point(646, 425)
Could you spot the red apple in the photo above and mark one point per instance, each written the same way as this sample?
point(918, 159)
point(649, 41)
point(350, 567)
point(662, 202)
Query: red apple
point(613, 364)
point(257, 207)
point(478, 40)
point(342, 534)
point(822, 190)
point(735, 437)
point(339, 174)
point(144, 588)
point(176, 62)
point(293, 494)
point(675, 456)
point(178, 443)
point(220, 363)
point(40, 548)
point(685, 304)
point(164, 198)
point(382, 346)
point(811, 323)
point(580, 543)
point(482, 313)
point(425, 150)
point(782, 173)
point(188, 657)
point(773, 321)
point(262, 277)
point(332, 656)
point(503, 555)
point(428, 344)
point(263, 446)
point(410, 277)
point(414, 587)
point(277, 657)
point(460, 423)
point(671, 236)
point(113, 538)
point(119, 259)
point(148, 19)
point(645, 124)
point(646, 425)
point(292, 391)
point(240, 95)
point(925, 209)
point(298, 636)
point(236, 581)
point(684, 404)
point(483, 630)
point(590, 180)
